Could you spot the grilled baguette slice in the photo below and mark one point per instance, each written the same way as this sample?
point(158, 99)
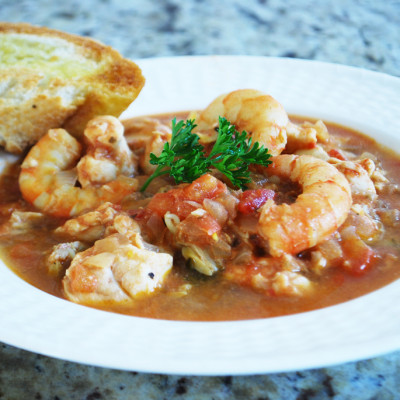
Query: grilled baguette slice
point(51, 79)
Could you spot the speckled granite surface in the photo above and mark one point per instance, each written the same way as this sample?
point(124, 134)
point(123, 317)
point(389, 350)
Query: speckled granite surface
point(362, 33)
point(359, 33)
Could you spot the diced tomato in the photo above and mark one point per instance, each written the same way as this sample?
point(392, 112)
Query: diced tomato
point(205, 187)
point(206, 223)
point(358, 257)
point(252, 200)
point(173, 201)
point(178, 201)
point(198, 230)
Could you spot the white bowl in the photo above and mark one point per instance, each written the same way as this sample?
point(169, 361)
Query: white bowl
point(361, 328)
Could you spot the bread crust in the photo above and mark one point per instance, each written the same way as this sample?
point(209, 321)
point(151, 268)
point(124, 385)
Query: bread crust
point(109, 89)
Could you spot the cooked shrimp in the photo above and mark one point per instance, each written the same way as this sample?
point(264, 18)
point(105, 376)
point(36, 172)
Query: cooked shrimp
point(259, 114)
point(107, 153)
point(115, 271)
point(47, 179)
point(104, 221)
point(317, 212)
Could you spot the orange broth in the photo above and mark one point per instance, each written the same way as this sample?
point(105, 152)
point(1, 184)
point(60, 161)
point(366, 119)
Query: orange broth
point(215, 298)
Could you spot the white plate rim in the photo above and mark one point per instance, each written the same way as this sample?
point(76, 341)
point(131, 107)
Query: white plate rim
point(358, 329)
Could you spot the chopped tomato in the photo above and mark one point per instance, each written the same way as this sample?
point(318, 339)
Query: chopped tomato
point(173, 201)
point(180, 201)
point(205, 187)
point(358, 256)
point(198, 230)
point(252, 200)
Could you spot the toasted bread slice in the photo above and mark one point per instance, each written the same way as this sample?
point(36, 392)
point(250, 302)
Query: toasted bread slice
point(50, 79)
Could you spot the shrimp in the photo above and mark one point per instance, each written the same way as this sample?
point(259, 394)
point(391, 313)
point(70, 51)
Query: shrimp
point(107, 153)
point(321, 208)
point(259, 114)
point(48, 177)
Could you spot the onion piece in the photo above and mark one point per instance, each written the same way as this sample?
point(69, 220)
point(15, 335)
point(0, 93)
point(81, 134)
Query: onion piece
point(216, 210)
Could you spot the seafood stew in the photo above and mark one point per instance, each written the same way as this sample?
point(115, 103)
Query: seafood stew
point(316, 227)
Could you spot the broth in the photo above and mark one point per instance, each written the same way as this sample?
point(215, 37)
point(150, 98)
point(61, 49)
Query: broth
point(216, 298)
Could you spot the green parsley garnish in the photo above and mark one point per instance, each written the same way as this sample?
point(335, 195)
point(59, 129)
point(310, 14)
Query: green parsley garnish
point(185, 160)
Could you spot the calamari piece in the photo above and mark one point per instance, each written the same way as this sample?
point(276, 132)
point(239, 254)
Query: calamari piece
point(305, 136)
point(89, 226)
point(316, 151)
point(21, 222)
point(104, 221)
point(281, 276)
point(290, 283)
point(62, 255)
point(114, 271)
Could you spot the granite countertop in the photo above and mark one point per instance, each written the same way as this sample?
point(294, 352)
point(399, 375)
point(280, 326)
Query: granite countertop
point(362, 33)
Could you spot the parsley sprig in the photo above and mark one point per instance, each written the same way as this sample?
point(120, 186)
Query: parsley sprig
point(185, 160)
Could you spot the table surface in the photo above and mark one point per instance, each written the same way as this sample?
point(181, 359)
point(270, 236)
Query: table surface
point(362, 33)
